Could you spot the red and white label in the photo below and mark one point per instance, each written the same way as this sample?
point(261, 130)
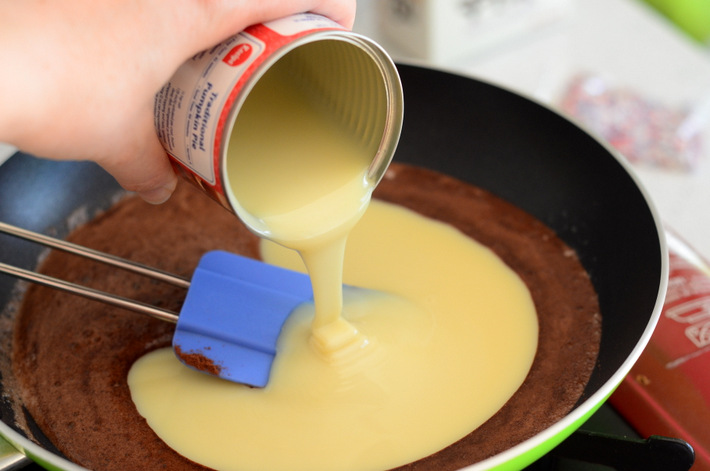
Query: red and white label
point(192, 110)
point(238, 55)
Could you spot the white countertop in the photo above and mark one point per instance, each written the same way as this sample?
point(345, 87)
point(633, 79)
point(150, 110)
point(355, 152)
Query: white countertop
point(620, 39)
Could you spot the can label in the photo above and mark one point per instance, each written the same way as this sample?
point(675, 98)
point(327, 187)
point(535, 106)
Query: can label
point(193, 108)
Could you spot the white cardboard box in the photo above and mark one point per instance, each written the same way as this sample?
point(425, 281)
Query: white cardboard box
point(442, 30)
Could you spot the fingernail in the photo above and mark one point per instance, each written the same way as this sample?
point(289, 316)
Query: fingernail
point(158, 195)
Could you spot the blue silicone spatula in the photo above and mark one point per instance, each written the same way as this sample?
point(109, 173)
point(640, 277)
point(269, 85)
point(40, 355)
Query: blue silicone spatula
point(232, 316)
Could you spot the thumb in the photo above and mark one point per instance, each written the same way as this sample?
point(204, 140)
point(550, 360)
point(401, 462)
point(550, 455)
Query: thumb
point(145, 170)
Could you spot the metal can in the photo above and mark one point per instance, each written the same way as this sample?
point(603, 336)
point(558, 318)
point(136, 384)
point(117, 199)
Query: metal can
point(350, 74)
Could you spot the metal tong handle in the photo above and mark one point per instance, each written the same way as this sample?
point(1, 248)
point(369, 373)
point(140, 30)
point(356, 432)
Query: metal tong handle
point(112, 299)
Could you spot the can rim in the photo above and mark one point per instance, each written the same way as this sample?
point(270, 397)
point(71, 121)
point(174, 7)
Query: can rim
point(393, 94)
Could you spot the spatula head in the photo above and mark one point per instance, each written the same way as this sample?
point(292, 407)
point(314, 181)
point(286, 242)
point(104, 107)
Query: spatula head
point(233, 315)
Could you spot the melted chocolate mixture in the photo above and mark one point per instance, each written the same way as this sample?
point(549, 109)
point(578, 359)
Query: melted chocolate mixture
point(72, 355)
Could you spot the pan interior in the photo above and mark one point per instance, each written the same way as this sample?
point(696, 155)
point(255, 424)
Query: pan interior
point(549, 167)
point(518, 150)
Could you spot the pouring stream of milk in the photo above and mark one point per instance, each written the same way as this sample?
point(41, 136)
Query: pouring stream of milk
point(301, 181)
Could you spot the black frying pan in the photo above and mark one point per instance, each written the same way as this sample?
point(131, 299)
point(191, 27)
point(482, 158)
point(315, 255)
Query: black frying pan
point(517, 149)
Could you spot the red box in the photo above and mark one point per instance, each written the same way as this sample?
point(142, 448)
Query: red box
point(667, 392)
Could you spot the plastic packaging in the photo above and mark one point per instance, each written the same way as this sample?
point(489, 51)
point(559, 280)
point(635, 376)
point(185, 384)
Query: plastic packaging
point(645, 131)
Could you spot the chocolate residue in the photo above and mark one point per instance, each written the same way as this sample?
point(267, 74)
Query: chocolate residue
point(198, 361)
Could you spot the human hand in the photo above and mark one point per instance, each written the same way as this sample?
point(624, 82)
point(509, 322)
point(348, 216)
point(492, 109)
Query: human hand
point(81, 75)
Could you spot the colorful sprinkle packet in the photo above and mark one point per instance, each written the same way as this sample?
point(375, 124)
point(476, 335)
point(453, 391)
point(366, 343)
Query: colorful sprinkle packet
point(643, 130)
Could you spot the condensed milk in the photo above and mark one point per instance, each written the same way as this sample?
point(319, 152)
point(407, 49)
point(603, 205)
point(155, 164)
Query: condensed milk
point(452, 333)
point(301, 181)
point(289, 124)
